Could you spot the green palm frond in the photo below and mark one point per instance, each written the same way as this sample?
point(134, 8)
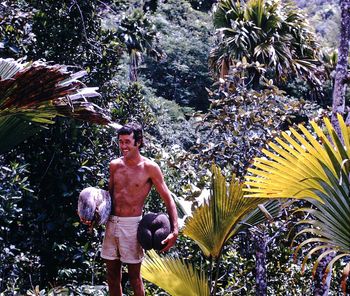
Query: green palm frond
point(225, 214)
point(255, 12)
point(315, 168)
point(331, 222)
point(267, 32)
point(33, 94)
point(267, 211)
point(212, 224)
point(174, 275)
point(225, 11)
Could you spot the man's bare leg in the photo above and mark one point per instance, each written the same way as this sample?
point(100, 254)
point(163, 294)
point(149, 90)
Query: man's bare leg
point(114, 277)
point(135, 279)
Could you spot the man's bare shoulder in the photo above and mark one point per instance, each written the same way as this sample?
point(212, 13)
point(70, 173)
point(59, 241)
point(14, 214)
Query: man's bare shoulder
point(116, 162)
point(149, 163)
point(151, 166)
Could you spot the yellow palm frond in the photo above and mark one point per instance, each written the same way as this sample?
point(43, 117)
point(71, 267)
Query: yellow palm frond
point(295, 162)
point(174, 275)
point(317, 168)
point(213, 223)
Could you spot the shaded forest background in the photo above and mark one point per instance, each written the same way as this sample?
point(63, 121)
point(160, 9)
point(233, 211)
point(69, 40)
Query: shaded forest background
point(154, 62)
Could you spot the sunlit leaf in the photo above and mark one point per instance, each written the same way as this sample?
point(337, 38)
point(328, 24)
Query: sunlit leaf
point(313, 167)
point(213, 223)
point(174, 275)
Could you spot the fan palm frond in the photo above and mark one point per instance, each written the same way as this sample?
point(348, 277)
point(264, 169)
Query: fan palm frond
point(317, 169)
point(225, 214)
point(213, 223)
point(291, 168)
point(330, 226)
point(174, 275)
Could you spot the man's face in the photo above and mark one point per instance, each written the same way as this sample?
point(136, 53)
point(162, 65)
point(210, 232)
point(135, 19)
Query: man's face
point(127, 144)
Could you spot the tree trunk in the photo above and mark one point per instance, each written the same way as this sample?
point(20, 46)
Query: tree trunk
point(260, 264)
point(320, 288)
point(339, 90)
point(134, 65)
point(225, 67)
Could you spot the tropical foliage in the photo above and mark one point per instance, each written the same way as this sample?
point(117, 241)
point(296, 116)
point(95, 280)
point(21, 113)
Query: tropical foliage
point(316, 169)
point(265, 32)
point(33, 94)
point(174, 275)
point(76, 37)
point(183, 75)
point(324, 16)
point(211, 225)
point(215, 222)
point(241, 120)
point(43, 248)
point(16, 37)
point(139, 36)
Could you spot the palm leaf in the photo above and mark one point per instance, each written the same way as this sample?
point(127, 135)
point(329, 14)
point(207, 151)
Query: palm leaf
point(267, 211)
point(256, 11)
point(174, 275)
point(225, 11)
point(32, 95)
point(267, 32)
point(294, 163)
point(317, 169)
point(212, 224)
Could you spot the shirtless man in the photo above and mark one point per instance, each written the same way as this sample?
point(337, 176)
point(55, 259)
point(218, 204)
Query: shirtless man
point(131, 179)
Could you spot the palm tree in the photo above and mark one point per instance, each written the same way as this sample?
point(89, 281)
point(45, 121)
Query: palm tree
point(33, 94)
point(139, 37)
point(267, 32)
point(316, 169)
point(225, 214)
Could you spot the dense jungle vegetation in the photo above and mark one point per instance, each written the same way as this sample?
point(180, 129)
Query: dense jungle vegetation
point(213, 83)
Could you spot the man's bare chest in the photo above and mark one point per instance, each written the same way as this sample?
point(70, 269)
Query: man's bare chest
point(131, 178)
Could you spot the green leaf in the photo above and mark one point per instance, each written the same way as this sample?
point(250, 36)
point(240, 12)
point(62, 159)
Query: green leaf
point(174, 275)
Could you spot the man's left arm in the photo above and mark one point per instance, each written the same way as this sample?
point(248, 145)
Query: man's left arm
point(162, 189)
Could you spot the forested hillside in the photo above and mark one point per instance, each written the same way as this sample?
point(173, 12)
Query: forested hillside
point(221, 89)
point(324, 17)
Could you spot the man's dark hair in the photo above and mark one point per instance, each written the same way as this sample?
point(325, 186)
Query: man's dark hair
point(132, 127)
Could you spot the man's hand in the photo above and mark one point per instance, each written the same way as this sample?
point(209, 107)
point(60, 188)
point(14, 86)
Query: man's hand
point(169, 241)
point(88, 223)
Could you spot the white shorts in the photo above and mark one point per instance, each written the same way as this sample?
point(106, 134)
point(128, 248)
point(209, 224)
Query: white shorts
point(120, 240)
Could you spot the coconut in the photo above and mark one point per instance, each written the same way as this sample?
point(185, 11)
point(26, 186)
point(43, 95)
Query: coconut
point(152, 230)
point(94, 205)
